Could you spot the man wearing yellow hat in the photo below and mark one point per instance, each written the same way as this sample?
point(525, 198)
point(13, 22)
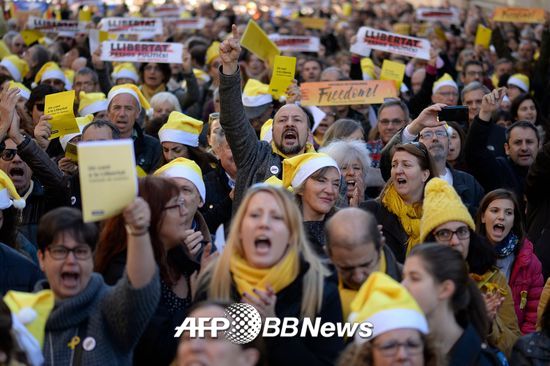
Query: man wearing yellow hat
point(125, 103)
point(256, 160)
point(445, 90)
point(51, 74)
point(14, 67)
point(258, 103)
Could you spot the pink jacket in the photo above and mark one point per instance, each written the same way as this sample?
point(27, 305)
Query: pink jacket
point(526, 282)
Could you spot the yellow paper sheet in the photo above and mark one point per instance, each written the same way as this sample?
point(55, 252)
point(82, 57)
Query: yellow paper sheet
point(71, 152)
point(392, 70)
point(30, 36)
point(108, 177)
point(256, 41)
point(314, 23)
point(402, 28)
point(483, 36)
point(367, 66)
point(61, 107)
point(283, 74)
point(85, 15)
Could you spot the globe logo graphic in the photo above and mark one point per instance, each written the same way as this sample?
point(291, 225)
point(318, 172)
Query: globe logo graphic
point(246, 323)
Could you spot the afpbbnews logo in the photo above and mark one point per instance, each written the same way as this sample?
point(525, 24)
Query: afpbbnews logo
point(242, 324)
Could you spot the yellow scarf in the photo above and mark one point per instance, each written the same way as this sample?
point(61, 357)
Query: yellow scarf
point(148, 93)
point(279, 276)
point(347, 295)
point(409, 215)
point(309, 149)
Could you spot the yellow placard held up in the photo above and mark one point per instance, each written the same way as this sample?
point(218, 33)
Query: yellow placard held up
point(283, 74)
point(392, 70)
point(108, 177)
point(71, 152)
point(402, 28)
point(347, 9)
point(519, 15)
point(314, 23)
point(367, 66)
point(61, 107)
point(85, 15)
point(483, 36)
point(30, 36)
point(256, 41)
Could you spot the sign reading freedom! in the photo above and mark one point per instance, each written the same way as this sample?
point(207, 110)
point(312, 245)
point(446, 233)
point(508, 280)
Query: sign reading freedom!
point(394, 43)
point(347, 92)
point(158, 52)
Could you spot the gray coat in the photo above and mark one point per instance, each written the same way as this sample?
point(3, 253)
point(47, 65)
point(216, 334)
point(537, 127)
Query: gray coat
point(255, 159)
point(115, 317)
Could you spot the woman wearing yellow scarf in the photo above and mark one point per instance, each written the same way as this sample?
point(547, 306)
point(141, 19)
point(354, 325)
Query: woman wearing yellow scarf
point(272, 267)
point(399, 207)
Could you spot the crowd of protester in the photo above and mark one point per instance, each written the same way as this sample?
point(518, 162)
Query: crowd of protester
point(436, 232)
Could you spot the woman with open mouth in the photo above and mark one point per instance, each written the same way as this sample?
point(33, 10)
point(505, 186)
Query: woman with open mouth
point(315, 180)
point(267, 263)
point(500, 221)
point(399, 207)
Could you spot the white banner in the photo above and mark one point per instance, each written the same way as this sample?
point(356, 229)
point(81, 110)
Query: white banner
point(394, 43)
point(360, 48)
point(158, 52)
point(166, 10)
point(187, 23)
point(131, 25)
point(451, 15)
point(50, 25)
point(296, 43)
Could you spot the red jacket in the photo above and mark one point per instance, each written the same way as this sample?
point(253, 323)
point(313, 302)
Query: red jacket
point(526, 282)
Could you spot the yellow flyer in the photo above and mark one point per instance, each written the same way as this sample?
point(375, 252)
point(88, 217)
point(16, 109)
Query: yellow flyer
point(256, 41)
point(108, 177)
point(483, 36)
point(519, 15)
point(283, 74)
point(392, 70)
point(71, 152)
point(402, 28)
point(30, 36)
point(61, 107)
point(314, 23)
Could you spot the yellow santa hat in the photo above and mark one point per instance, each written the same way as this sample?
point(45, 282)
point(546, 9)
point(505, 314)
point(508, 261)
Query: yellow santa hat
point(519, 80)
point(442, 204)
point(445, 80)
point(266, 132)
point(69, 77)
point(50, 70)
point(16, 66)
point(91, 103)
point(125, 70)
point(24, 92)
point(256, 93)
point(387, 305)
point(31, 309)
point(4, 50)
point(131, 89)
point(298, 168)
point(212, 52)
point(184, 168)
point(181, 129)
point(81, 123)
point(8, 193)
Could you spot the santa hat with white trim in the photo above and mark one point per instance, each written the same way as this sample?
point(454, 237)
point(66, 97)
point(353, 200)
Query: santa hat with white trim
point(445, 80)
point(181, 129)
point(387, 305)
point(256, 98)
point(24, 92)
point(266, 132)
point(16, 66)
point(125, 70)
point(519, 80)
point(50, 70)
point(131, 89)
point(8, 193)
point(184, 168)
point(91, 103)
point(300, 167)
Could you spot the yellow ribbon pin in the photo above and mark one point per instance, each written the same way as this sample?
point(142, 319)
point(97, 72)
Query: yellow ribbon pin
point(75, 341)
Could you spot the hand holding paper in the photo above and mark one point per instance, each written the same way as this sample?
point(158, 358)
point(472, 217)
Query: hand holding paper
point(230, 49)
point(60, 106)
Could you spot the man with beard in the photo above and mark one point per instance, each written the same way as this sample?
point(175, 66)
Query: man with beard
point(256, 160)
point(436, 139)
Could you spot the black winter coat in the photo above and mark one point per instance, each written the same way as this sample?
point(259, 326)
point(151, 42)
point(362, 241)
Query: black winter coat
point(17, 272)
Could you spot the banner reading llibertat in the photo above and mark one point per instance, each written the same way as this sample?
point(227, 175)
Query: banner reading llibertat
point(158, 52)
point(394, 43)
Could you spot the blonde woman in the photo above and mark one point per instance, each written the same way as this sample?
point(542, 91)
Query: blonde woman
point(272, 267)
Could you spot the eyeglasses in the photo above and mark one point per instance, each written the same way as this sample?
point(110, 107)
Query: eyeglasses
point(386, 122)
point(9, 154)
point(428, 135)
point(40, 106)
point(390, 349)
point(60, 252)
point(446, 234)
point(180, 204)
